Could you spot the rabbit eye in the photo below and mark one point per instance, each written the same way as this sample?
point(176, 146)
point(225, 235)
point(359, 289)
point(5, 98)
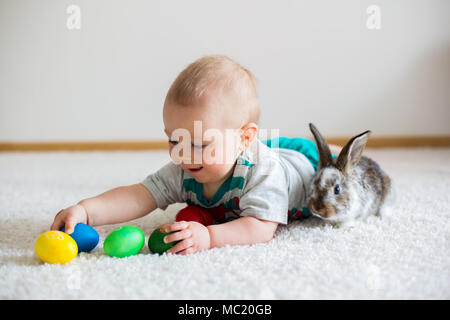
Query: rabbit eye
point(337, 189)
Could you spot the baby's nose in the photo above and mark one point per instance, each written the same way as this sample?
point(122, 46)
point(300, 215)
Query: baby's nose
point(187, 162)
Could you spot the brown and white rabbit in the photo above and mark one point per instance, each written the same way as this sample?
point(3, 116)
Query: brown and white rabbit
point(348, 188)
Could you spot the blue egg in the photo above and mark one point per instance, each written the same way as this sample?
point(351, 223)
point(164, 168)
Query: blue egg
point(85, 236)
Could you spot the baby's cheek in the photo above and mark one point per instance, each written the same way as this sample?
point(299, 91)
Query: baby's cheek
point(212, 157)
point(217, 170)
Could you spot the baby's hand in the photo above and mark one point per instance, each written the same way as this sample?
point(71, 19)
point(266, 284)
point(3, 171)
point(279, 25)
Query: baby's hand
point(193, 235)
point(69, 218)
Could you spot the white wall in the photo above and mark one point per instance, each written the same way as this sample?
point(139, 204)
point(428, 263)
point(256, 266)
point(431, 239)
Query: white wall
point(315, 61)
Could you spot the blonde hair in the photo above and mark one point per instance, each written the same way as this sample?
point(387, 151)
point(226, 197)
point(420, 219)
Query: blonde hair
point(216, 72)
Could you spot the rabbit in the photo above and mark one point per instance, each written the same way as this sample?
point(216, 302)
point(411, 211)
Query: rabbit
point(349, 188)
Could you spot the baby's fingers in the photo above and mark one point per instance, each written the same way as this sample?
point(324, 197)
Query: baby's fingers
point(58, 222)
point(70, 225)
point(189, 250)
point(180, 246)
point(176, 226)
point(180, 235)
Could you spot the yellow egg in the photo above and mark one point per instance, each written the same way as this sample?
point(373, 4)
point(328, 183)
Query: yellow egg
point(55, 247)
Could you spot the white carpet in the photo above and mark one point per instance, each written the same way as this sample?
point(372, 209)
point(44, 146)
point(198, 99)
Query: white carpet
point(404, 257)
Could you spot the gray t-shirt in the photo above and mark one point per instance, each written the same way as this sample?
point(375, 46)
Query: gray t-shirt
point(269, 182)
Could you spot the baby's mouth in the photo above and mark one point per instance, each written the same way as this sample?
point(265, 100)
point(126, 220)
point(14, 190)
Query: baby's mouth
point(195, 169)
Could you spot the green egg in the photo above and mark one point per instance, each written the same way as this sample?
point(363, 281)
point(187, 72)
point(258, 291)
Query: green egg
point(156, 243)
point(124, 241)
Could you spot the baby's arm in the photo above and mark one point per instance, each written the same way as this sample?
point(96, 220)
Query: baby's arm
point(242, 231)
point(114, 206)
point(196, 237)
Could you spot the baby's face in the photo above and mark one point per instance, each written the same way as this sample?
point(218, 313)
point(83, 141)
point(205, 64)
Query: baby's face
point(203, 140)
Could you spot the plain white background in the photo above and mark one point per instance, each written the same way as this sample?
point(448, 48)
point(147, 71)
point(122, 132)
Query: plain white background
point(314, 60)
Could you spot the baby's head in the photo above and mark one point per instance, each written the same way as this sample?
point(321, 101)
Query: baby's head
point(211, 115)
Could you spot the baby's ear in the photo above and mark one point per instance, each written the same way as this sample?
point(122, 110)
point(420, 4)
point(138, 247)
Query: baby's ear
point(249, 132)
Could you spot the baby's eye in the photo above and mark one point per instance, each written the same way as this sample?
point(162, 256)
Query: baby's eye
point(173, 142)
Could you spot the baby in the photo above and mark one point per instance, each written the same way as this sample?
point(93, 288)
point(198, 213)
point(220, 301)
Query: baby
point(250, 186)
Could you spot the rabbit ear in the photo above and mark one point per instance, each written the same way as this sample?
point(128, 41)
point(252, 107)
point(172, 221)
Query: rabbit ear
point(352, 151)
point(325, 159)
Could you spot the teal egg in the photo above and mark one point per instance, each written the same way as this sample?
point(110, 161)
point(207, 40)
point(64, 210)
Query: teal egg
point(124, 241)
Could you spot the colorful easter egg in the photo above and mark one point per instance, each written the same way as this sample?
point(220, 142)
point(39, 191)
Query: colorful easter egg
point(85, 236)
point(55, 247)
point(195, 213)
point(156, 243)
point(124, 241)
